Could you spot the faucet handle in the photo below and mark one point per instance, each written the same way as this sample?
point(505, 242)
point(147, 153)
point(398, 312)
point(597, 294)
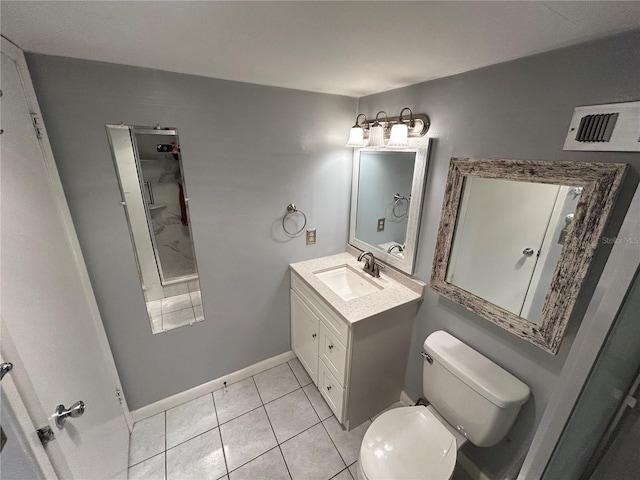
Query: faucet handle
point(375, 269)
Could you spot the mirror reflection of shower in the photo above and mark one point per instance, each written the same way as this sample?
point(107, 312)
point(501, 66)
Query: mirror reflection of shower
point(149, 165)
point(161, 175)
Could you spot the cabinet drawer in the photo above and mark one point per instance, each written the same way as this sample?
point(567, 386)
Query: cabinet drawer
point(333, 353)
point(336, 325)
point(331, 390)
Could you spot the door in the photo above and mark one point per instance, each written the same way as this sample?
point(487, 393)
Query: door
point(51, 330)
point(500, 230)
point(601, 426)
point(304, 335)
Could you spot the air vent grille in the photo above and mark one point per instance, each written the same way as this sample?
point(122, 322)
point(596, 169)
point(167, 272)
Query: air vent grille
point(596, 128)
point(611, 127)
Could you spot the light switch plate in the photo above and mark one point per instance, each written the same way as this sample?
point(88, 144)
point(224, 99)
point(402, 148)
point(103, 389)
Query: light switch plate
point(311, 236)
point(380, 224)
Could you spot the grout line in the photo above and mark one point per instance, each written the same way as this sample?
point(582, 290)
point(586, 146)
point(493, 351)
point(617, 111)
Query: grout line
point(295, 376)
point(148, 458)
point(215, 410)
point(334, 443)
point(255, 458)
point(341, 471)
point(152, 456)
point(270, 426)
point(321, 398)
point(189, 439)
point(241, 415)
point(274, 433)
point(311, 403)
point(300, 433)
point(224, 455)
point(257, 389)
point(285, 462)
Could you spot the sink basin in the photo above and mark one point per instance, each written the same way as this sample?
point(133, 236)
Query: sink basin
point(347, 282)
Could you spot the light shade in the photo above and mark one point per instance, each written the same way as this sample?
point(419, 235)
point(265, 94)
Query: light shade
point(399, 136)
point(376, 136)
point(356, 137)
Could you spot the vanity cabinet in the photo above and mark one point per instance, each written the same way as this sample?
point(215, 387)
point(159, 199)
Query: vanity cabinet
point(358, 367)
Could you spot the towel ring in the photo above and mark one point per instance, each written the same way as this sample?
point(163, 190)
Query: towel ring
point(398, 200)
point(291, 209)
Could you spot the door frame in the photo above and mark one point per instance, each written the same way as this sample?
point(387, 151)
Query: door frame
point(20, 380)
point(607, 299)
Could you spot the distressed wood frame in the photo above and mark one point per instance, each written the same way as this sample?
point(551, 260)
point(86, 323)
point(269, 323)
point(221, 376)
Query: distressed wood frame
point(601, 183)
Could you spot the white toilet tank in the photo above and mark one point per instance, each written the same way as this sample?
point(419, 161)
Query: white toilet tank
point(476, 396)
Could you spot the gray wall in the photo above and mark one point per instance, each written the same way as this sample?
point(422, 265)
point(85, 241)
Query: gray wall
point(382, 175)
point(520, 109)
point(247, 152)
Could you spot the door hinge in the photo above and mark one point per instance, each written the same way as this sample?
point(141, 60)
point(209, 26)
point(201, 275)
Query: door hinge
point(45, 434)
point(119, 395)
point(630, 401)
point(37, 124)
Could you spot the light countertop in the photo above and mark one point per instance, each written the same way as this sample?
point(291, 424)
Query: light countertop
point(397, 289)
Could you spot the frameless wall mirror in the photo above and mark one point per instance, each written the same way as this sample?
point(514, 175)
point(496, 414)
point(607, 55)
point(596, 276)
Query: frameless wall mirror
point(386, 202)
point(516, 240)
point(148, 163)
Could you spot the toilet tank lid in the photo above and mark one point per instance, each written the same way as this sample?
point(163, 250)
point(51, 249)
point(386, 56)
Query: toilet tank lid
point(474, 369)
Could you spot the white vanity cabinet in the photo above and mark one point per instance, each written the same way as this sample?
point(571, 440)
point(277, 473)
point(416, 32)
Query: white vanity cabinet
point(358, 366)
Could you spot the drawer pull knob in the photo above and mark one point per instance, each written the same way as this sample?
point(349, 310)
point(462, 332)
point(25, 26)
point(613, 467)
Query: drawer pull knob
point(313, 335)
point(328, 387)
point(330, 347)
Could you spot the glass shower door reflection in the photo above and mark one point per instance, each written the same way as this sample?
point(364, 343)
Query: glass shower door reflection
point(164, 192)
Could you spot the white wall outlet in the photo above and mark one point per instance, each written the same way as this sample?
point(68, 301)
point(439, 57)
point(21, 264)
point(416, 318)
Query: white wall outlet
point(380, 224)
point(311, 236)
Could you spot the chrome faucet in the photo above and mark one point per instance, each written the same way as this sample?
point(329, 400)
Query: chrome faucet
point(370, 265)
point(398, 246)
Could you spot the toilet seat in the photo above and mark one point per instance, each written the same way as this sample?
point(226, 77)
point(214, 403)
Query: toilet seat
point(407, 443)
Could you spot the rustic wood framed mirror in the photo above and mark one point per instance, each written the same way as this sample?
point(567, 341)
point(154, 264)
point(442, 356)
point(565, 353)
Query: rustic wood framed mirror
point(517, 237)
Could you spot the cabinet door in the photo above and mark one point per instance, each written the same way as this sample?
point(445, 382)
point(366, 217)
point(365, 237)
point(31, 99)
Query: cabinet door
point(304, 335)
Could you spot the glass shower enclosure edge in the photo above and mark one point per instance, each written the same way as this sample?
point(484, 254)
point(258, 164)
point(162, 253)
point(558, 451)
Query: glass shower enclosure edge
point(131, 191)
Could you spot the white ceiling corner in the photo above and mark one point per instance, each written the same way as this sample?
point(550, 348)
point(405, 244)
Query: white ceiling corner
point(342, 47)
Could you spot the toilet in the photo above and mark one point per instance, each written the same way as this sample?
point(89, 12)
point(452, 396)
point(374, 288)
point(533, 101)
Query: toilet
point(470, 399)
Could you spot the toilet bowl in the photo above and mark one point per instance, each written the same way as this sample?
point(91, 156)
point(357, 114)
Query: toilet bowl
point(406, 443)
point(471, 399)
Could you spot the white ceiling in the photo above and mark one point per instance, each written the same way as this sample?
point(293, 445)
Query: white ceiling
point(349, 48)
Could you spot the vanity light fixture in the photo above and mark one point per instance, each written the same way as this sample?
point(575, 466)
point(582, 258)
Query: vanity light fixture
point(376, 132)
point(356, 136)
point(371, 133)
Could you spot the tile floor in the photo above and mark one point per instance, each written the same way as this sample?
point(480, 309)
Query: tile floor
point(181, 306)
point(274, 425)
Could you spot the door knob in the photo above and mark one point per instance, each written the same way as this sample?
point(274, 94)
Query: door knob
point(5, 368)
point(62, 413)
point(528, 252)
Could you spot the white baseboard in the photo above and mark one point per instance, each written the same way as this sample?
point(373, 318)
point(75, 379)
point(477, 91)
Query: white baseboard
point(195, 392)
